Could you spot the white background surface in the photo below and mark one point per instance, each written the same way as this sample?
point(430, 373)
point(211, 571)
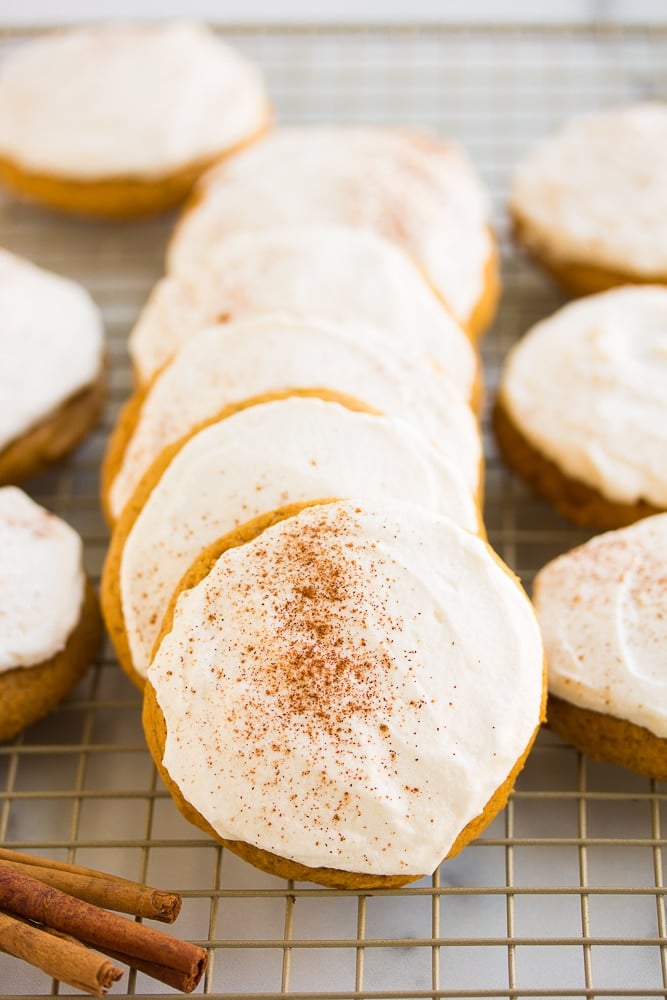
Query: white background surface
point(341, 11)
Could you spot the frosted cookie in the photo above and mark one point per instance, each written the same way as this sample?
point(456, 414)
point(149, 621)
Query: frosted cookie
point(602, 612)
point(49, 625)
point(234, 365)
point(582, 407)
point(412, 188)
point(51, 374)
point(305, 272)
point(589, 203)
point(283, 452)
point(120, 120)
point(348, 696)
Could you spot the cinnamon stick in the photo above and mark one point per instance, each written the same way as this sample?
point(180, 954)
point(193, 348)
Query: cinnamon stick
point(179, 980)
point(27, 897)
point(66, 960)
point(184, 981)
point(98, 888)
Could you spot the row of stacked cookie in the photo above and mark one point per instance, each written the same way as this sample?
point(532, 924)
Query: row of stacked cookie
point(334, 311)
point(581, 415)
point(296, 576)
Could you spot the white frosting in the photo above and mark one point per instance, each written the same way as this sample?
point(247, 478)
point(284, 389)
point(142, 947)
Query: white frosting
point(330, 271)
point(588, 388)
point(602, 612)
point(256, 461)
point(596, 193)
point(225, 365)
point(126, 100)
point(41, 581)
point(51, 344)
point(350, 688)
point(412, 188)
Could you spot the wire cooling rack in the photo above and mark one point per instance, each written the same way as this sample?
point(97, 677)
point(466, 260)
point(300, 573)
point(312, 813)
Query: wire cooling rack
point(563, 895)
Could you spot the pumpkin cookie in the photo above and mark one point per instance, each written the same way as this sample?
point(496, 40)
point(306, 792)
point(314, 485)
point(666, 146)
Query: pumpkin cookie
point(50, 627)
point(589, 204)
point(581, 413)
point(234, 365)
point(412, 188)
point(51, 375)
point(121, 120)
point(362, 685)
point(306, 272)
point(602, 612)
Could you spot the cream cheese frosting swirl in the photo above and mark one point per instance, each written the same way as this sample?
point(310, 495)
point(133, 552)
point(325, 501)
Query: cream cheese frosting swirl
point(118, 100)
point(228, 364)
point(409, 187)
point(588, 388)
point(255, 461)
point(310, 271)
point(602, 613)
point(51, 344)
point(596, 193)
point(350, 688)
point(41, 581)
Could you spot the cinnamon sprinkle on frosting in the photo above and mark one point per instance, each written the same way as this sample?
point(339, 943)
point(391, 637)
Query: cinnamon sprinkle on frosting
point(313, 675)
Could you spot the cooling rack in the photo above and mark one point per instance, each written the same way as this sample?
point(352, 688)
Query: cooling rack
point(563, 896)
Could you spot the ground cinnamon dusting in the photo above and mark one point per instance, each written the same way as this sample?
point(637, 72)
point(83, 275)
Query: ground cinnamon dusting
point(320, 671)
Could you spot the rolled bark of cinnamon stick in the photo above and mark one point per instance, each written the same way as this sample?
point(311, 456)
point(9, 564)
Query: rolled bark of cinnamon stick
point(98, 888)
point(65, 960)
point(20, 894)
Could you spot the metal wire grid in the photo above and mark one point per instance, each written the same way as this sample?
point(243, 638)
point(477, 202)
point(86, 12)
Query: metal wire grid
point(563, 896)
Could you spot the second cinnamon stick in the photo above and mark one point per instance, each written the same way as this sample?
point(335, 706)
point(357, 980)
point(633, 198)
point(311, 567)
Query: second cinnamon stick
point(98, 888)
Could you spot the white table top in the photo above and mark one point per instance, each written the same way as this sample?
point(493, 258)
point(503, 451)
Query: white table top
point(36, 12)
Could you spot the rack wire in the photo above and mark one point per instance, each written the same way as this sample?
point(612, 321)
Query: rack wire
point(564, 895)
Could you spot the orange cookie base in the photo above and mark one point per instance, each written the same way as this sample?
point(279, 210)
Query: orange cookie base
point(114, 197)
point(570, 497)
point(156, 732)
point(608, 738)
point(29, 693)
point(578, 277)
point(53, 437)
